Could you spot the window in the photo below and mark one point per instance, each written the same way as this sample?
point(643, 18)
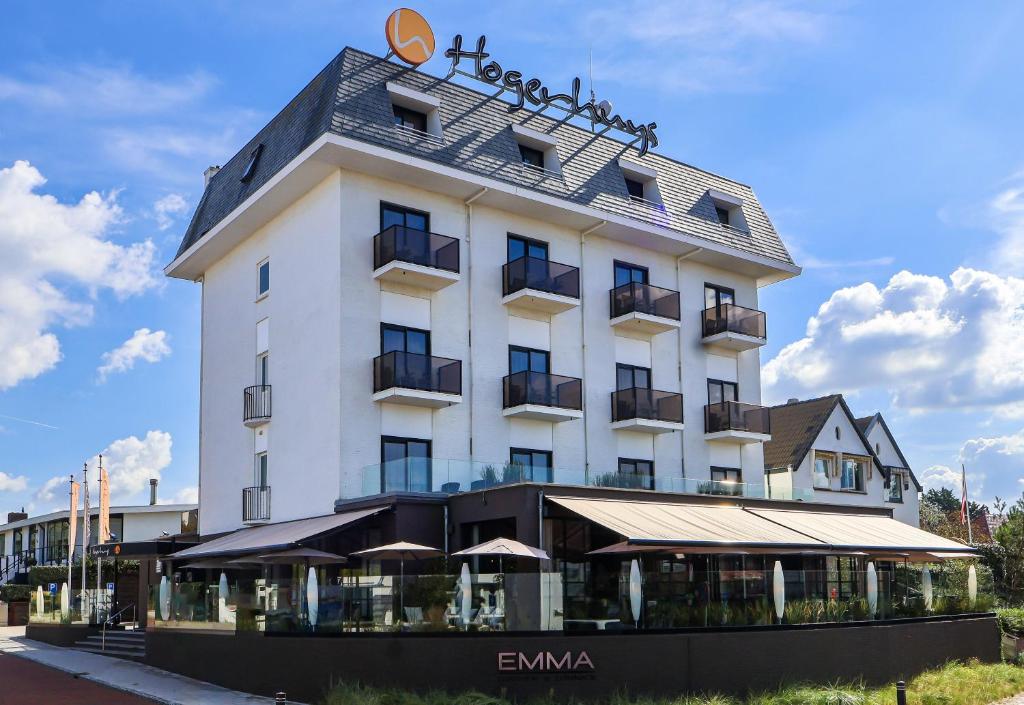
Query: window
point(725, 481)
point(723, 215)
point(635, 189)
point(250, 168)
point(878, 449)
point(839, 434)
point(535, 464)
point(728, 209)
point(726, 474)
point(635, 473)
point(404, 339)
point(716, 296)
point(626, 273)
point(852, 476)
point(412, 119)
point(630, 376)
point(405, 217)
point(895, 487)
point(261, 470)
point(528, 360)
point(641, 183)
point(531, 157)
point(263, 369)
point(264, 276)
point(405, 464)
point(824, 464)
point(719, 391)
point(519, 246)
point(3, 544)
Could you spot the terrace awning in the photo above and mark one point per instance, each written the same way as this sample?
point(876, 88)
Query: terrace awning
point(270, 537)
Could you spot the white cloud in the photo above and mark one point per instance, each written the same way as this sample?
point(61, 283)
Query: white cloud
point(49, 490)
point(146, 345)
point(9, 483)
point(43, 241)
point(130, 463)
point(998, 461)
point(930, 343)
point(186, 495)
point(1007, 212)
point(165, 209)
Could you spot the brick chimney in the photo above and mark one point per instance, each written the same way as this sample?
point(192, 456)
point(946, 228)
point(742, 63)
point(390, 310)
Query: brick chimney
point(210, 172)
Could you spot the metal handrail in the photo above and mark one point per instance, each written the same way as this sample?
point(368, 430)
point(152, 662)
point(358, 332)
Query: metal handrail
point(110, 619)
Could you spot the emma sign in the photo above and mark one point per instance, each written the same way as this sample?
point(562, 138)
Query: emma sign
point(544, 662)
point(536, 93)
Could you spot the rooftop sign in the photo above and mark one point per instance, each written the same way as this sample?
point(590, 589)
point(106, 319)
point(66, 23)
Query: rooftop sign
point(409, 36)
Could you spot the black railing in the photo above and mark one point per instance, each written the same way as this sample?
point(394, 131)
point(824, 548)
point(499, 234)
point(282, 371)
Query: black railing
point(415, 247)
point(736, 416)
point(635, 297)
point(415, 371)
point(256, 503)
point(256, 403)
point(14, 563)
point(543, 390)
point(640, 403)
point(730, 318)
point(541, 275)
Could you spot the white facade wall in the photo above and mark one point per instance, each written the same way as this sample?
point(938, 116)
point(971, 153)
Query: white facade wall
point(324, 312)
point(909, 511)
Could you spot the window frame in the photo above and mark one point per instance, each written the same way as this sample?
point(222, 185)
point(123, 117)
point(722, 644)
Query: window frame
point(895, 494)
point(260, 291)
point(250, 167)
point(636, 463)
point(405, 211)
point(261, 470)
point(629, 191)
point(632, 370)
point(263, 368)
point(400, 115)
point(404, 440)
point(723, 383)
point(404, 330)
point(548, 455)
point(632, 269)
point(830, 459)
point(719, 210)
point(859, 476)
point(527, 242)
point(719, 290)
point(725, 472)
point(529, 352)
point(525, 149)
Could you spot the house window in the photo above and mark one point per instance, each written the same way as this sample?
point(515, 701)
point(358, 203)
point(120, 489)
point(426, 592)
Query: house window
point(391, 214)
point(852, 476)
point(630, 376)
point(726, 474)
point(627, 273)
point(412, 119)
point(405, 464)
point(531, 156)
point(824, 464)
point(895, 487)
point(404, 339)
point(3, 544)
point(719, 391)
point(532, 465)
point(716, 296)
point(263, 369)
point(726, 481)
point(635, 189)
point(636, 474)
point(263, 270)
point(261, 470)
point(528, 360)
point(519, 246)
point(839, 434)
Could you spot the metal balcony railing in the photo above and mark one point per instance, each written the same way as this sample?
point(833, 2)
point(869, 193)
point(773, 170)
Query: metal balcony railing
point(736, 416)
point(641, 403)
point(256, 503)
point(543, 390)
point(414, 371)
point(635, 297)
point(541, 275)
point(256, 402)
point(402, 244)
point(730, 318)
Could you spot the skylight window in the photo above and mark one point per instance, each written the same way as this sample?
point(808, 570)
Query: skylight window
point(250, 168)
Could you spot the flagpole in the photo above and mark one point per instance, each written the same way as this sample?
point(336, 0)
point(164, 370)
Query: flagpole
point(967, 506)
point(71, 518)
point(99, 534)
point(85, 530)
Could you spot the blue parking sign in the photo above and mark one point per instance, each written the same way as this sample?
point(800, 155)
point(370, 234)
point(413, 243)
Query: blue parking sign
point(110, 587)
point(53, 588)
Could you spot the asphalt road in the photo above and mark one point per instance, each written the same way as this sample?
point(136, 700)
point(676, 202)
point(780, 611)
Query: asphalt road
point(23, 682)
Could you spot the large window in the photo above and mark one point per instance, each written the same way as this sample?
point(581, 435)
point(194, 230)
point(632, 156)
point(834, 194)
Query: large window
point(719, 391)
point(404, 117)
point(391, 214)
point(627, 273)
point(824, 466)
point(852, 476)
point(405, 464)
point(528, 360)
point(534, 464)
point(715, 296)
point(636, 473)
point(519, 246)
point(404, 339)
point(630, 376)
point(726, 474)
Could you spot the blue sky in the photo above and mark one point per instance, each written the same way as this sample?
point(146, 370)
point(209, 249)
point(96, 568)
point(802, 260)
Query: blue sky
point(883, 139)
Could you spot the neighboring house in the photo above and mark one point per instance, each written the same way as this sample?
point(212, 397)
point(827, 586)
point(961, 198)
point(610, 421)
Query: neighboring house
point(903, 492)
point(819, 451)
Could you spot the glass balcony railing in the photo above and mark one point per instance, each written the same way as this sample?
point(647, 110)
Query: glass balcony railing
point(651, 404)
point(402, 244)
point(414, 371)
point(540, 275)
point(736, 416)
point(543, 390)
point(730, 318)
point(635, 297)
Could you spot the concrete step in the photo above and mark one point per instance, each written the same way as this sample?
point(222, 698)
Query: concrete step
point(114, 638)
point(116, 653)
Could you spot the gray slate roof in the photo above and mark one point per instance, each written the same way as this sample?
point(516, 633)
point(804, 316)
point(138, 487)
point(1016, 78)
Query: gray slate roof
point(349, 98)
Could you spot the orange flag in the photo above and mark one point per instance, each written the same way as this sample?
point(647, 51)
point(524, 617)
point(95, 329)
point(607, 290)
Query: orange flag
point(73, 520)
point(104, 507)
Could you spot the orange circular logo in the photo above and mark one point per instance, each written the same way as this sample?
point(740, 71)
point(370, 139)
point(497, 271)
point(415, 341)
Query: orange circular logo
point(409, 36)
point(117, 550)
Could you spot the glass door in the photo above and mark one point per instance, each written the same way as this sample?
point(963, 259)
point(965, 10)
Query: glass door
point(405, 465)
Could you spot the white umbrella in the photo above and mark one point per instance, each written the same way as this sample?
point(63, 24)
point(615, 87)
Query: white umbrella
point(779, 589)
point(65, 601)
point(466, 585)
point(400, 551)
point(222, 598)
point(972, 585)
point(926, 587)
point(635, 590)
point(502, 547)
point(312, 597)
point(872, 588)
point(165, 599)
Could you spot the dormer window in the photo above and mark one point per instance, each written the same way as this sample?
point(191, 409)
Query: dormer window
point(538, 152)
point(723, 215)
point(531, 156)
point(416, 114)
point(641, 183)
point(634, 188)
point(728, 209)
point(250, 168)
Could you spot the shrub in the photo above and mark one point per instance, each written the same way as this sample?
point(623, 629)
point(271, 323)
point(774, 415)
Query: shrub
point(15, 593)
point(1011, 621)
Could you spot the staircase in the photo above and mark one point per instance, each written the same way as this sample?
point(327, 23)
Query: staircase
point(120, 643)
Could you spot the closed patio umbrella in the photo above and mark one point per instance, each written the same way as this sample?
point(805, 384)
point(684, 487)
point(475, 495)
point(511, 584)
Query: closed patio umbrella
point(636, 594)
point(466, 585)
point(222, 598)
point(312, 598)
point(872, 586)
point(65, 602)
point(400, 551)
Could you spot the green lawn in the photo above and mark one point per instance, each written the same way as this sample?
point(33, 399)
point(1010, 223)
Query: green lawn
point(954, 684)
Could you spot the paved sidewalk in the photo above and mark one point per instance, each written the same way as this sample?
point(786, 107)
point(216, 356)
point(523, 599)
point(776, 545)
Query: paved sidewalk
point(146, 681)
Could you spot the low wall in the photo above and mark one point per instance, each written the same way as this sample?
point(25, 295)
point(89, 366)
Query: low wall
point(59, 634)
point(731, 661)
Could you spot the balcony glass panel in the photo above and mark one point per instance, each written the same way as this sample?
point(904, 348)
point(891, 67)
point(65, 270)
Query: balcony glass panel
point(402, 244)
point(634, 297)
point(736, 416)
point(730, 318)
point(414, 371)
point(541, 275)
point(543, 390)
point(640, 403)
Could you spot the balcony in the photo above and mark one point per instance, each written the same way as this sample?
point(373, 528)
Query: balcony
point(544, 397)
point(256, 505)
point(735, 422)
point(256, 405)
point(647, 410)
point(733, 327)
point(540, 285)
point(406, 256)
point(642, 308)
point(417, 380)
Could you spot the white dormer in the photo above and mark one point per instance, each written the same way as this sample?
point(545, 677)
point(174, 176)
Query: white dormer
point(729, 209)
point(641, 183)
point(416, 112)
point(537, 150)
